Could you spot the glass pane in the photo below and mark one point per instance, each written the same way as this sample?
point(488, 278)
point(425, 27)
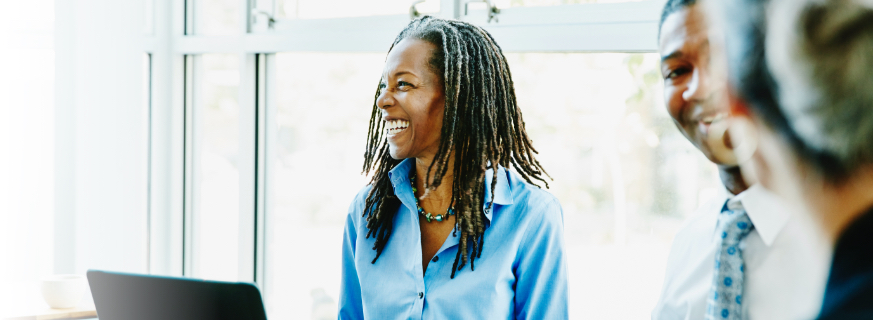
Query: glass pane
point(319, 9)
point(316, 146)
point(217, 17)
point(624, 175)
point(216, 175)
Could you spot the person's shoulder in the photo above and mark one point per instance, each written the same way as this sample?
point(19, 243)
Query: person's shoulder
point(356, 208)
point(538, 203)
point(525, 190)
point(705, 216)
point(361, 196)
point(697, 230)
point(849, 301)
point(849, 293)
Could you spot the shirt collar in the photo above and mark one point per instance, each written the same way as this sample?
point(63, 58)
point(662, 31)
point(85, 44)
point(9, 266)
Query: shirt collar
point(768, 212)
point(399, 177)
point(502, 191)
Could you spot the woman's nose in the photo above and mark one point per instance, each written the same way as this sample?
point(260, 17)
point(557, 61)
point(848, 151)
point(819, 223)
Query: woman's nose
point(385, 99)
point(698, 86)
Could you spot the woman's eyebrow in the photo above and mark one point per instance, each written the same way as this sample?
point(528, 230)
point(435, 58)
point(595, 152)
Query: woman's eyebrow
point(400, 73)
point(672, 55)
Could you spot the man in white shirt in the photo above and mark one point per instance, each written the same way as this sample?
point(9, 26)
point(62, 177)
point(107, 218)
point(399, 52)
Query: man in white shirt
point(744, 254)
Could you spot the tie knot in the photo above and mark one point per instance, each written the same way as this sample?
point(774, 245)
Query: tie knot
point(734, 225)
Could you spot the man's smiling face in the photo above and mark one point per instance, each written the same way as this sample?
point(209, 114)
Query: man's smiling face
point(694, 97)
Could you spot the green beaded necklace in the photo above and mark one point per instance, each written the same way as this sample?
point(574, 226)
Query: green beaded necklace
point(430, 217)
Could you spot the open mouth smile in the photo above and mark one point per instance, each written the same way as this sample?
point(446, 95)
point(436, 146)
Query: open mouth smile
point(704, 122)
point(394, 127)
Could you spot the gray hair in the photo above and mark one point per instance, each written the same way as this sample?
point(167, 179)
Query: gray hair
point(820, 53)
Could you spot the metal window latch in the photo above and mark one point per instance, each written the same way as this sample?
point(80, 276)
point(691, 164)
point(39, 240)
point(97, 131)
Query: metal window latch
point(492, 9)
point(270, 19)
point(413, 12)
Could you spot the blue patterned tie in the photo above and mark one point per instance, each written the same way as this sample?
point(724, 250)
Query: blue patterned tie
point(726, 295)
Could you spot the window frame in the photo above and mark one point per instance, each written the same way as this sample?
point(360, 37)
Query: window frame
point(173, 45)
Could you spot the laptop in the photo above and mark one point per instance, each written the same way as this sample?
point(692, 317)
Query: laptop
point(125, 296)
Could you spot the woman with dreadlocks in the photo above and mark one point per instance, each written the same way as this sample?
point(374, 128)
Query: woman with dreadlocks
point(445, 230)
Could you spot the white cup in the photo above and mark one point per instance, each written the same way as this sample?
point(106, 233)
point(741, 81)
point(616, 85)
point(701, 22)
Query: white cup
point(63, 291)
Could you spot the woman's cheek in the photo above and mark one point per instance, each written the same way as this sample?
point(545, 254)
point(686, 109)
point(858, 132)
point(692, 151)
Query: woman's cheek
point(674, 101)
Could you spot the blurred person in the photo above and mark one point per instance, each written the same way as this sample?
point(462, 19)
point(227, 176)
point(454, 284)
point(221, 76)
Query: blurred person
point(445, 229)
point(801, 85)
point(736, 258)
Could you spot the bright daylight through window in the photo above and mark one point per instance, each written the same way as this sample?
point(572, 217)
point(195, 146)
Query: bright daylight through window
point(623, 174)
point(259, 113)
point(625, 177)
point(27, 141)
point(215, 196)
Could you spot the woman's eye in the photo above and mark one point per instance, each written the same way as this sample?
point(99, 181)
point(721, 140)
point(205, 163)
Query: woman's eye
point(676, 72)
point(383, 86)
point(404, 84)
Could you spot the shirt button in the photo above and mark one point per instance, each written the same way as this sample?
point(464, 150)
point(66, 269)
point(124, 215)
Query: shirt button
point(421, 295)
point(435, 259)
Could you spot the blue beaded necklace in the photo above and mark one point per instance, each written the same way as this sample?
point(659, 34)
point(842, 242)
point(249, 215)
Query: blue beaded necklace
point(429, 216)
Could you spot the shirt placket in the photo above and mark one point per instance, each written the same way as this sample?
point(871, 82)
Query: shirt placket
point(437, 263)
point(418, 306)
point(403, 191)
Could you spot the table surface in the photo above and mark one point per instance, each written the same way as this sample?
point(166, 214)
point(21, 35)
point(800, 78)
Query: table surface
point(82, 312)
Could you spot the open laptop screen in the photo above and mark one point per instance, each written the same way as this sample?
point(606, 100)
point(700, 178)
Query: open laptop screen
point(123, 296)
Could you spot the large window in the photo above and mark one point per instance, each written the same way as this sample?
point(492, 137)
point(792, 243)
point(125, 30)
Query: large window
point(27, 151)
point(316, 136)
point(624, 175)
point(275, 106)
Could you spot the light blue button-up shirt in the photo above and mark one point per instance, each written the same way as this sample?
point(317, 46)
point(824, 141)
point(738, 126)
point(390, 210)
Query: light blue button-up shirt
point(522, 273)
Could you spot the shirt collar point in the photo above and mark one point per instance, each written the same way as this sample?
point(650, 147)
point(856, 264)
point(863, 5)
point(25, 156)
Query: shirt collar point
point(502, 191)
point(767, 212)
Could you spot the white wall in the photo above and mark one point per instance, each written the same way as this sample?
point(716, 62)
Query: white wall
point(26, 147)
point(101, 134)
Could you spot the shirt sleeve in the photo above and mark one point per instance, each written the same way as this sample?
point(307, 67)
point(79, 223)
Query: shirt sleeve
point(350, 303)
point(541, 270)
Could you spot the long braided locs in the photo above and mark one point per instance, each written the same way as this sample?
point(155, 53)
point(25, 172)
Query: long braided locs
point(482, 127)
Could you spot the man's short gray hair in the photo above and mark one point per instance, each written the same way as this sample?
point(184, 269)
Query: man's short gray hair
point(820, 54)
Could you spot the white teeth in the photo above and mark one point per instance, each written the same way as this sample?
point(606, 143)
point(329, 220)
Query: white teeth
point(395, 126)
point(711, 119)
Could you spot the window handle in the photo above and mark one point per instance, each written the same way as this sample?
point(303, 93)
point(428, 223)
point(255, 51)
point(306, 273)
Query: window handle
point(492, 9)
point(413, 12)
point(270, 19)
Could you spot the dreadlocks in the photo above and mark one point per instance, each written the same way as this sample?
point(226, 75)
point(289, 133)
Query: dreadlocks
point(483, 128)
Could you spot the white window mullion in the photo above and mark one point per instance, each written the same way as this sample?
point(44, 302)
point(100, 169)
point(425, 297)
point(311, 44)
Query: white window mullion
point(266, 82)
point(167, 192)
point(248, 150)
point(623, 37)
point(451, 9)
point(596, 27)
point(188, 211)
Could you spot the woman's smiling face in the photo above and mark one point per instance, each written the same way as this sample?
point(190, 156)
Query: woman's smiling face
point(412, 101)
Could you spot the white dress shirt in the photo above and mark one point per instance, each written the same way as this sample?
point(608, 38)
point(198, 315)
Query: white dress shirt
point(786, 261)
